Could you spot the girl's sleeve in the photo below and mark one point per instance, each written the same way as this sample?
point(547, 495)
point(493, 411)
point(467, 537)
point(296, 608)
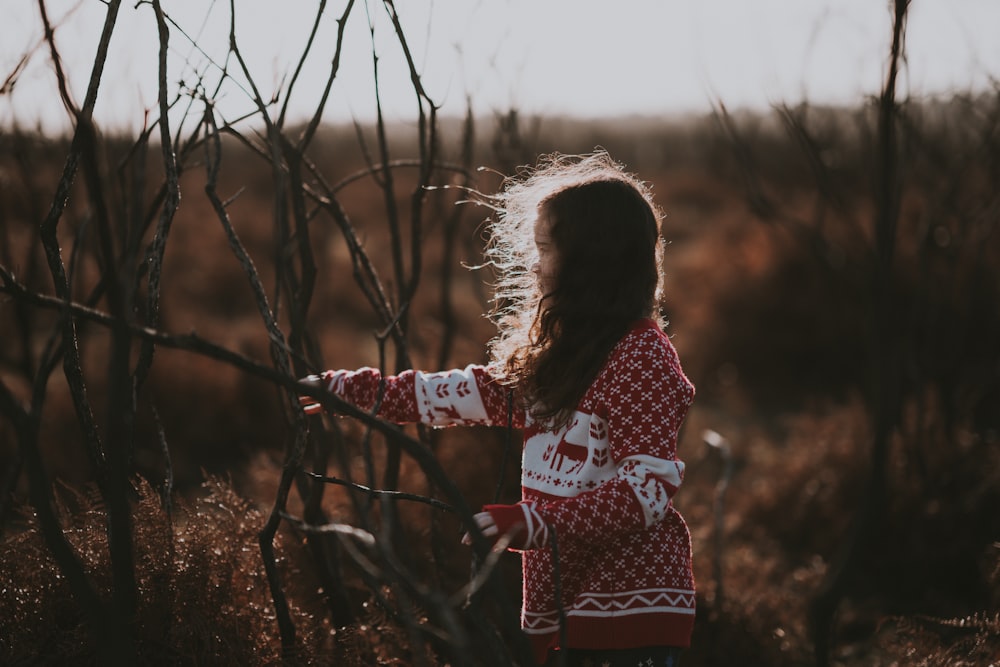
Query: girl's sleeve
point(646, 400)
point(462, 396)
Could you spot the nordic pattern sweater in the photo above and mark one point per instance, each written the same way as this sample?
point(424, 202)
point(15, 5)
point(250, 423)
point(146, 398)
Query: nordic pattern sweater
point(603, 483)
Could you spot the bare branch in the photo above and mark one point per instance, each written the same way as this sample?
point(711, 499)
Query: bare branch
point(64, 93)
point(396, 495)
point(171, 201)
point(362, 536)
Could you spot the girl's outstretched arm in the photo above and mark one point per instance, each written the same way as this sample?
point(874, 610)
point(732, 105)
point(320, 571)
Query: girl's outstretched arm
point(461, 396)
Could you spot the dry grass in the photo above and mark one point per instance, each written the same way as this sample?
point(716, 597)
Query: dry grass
point(202, 590)
point(774, 336)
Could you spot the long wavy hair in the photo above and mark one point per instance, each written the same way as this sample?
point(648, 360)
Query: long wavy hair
point(605, 229)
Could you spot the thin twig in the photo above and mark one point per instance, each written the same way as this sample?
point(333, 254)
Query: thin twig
point(720, 446)
point(395, 495)
point(362, 536)
point(171, 200)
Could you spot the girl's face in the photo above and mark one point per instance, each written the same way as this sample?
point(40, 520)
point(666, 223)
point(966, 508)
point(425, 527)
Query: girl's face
point(545, 268)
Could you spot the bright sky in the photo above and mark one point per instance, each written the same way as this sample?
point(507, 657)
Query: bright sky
point(541, 56)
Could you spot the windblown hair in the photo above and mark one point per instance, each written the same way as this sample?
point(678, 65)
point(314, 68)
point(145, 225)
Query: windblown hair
point(606, 232)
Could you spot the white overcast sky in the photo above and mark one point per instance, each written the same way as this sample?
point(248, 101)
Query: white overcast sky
point(541, 56)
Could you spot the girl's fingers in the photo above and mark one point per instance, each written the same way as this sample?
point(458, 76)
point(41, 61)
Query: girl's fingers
point(310, 405)
point(485, 522)
point(312, 380)
point(486, 526)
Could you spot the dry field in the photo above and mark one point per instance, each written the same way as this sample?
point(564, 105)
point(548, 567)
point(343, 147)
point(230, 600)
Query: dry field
point(788, 320)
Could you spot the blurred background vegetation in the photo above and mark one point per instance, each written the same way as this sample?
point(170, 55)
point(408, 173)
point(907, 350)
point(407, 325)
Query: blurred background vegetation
point(833, 288)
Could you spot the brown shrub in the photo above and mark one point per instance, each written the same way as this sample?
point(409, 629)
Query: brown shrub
point(203, 597)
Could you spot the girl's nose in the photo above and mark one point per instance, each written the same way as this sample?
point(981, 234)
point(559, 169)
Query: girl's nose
point(535, 268)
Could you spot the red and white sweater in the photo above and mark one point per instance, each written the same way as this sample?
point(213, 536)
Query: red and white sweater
point(603, 483)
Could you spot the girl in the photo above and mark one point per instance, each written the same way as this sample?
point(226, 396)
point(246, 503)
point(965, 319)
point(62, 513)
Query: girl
point(600, 396)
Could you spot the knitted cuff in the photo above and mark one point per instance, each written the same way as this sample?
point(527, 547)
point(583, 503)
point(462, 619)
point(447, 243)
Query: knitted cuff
point(359, 388)
point(522, 522)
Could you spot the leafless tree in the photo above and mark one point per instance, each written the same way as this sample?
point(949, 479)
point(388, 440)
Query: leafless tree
point(131, 233)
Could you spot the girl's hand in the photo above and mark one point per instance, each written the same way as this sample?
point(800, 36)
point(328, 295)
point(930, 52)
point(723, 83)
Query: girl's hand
point(486, 524)
point(308, 403)
point(359, 388)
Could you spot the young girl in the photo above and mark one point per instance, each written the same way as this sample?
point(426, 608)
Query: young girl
point(600, 397)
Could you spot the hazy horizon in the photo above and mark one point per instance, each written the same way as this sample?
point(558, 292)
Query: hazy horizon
point(554, 59)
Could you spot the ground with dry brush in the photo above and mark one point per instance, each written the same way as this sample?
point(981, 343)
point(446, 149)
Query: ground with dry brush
point(774, 338)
